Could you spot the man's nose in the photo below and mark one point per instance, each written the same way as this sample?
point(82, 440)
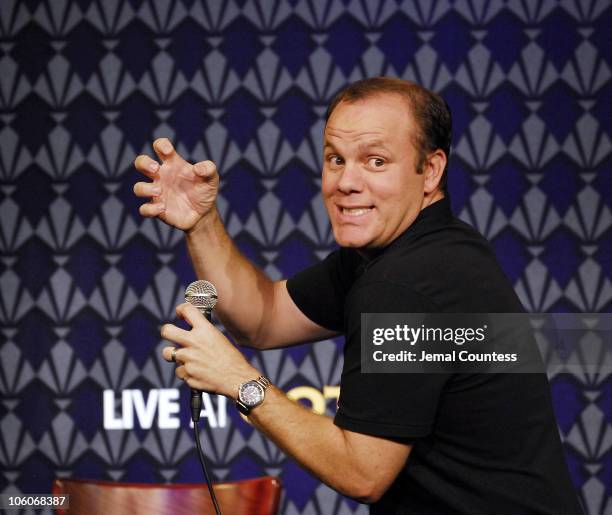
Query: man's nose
point(351, 179)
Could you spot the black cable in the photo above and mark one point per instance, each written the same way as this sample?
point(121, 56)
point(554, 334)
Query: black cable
point(195, 402)
point(196, 435)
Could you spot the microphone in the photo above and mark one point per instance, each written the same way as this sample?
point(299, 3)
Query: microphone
point(202, 295)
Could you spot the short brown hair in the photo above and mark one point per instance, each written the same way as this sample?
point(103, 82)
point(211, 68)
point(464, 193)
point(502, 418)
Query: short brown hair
point(430, 111)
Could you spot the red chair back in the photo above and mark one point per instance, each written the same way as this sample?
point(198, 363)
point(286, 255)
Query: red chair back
point(258, 496)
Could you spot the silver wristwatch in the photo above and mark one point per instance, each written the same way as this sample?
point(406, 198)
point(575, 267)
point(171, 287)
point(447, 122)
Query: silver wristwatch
point(251, 394)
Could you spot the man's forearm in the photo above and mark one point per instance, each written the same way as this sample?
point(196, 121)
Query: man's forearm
point(356, 465)
point(314, 442)
point(242, 288)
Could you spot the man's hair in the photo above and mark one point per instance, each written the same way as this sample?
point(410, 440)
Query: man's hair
point(430, 110)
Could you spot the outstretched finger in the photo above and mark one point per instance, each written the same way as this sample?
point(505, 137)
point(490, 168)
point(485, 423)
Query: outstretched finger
point(205, 169)
point(144, 164)
point(152, 209)
point(147, 189)
point(163, 148)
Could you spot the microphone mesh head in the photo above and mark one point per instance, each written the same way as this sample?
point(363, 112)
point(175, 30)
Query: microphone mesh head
point(202, 294)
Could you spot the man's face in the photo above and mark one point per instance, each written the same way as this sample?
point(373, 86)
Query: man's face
point(371, 188)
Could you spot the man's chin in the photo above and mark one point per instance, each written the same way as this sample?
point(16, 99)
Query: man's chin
point(351, 241)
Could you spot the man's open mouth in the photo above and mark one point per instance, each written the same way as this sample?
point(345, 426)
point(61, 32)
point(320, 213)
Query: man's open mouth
point(355, 211)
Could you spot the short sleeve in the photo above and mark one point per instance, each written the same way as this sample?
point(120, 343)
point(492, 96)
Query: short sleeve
point(320, 290)
point(393, 405)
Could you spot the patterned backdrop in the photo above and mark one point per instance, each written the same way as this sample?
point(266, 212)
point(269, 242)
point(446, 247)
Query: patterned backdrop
point(86, 85)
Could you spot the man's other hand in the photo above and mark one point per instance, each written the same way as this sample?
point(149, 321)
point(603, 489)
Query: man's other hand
point(180, 193)
point(206, 360)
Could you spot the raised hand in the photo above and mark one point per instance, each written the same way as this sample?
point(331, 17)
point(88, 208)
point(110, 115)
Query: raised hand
point(181, 193)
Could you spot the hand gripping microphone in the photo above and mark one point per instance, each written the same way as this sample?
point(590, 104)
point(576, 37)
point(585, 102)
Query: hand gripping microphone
point(202, 295)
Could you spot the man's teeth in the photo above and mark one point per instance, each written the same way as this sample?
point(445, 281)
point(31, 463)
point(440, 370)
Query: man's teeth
point(356, 211)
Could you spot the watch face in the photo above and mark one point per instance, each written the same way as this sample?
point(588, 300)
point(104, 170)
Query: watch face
point(251, 393)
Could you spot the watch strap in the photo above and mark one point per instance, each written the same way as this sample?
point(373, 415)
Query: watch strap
point(263, 381)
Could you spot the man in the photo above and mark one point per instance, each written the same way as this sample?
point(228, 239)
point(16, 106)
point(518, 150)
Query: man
point(407, 443)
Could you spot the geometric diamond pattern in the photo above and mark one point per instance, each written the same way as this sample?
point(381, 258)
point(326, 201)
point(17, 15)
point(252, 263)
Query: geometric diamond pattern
point(86, 282)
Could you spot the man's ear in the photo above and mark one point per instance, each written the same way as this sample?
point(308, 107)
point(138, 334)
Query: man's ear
point(433, 169)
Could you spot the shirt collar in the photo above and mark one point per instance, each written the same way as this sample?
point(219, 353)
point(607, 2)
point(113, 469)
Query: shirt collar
point(429, 218)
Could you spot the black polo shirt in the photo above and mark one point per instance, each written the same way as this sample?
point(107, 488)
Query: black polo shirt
point(482, 443)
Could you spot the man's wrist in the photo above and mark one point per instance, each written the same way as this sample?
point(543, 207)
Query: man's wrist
point(248, 374)
point(205, 223)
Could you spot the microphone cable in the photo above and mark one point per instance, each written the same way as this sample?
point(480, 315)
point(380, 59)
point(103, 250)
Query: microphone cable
point(202, 295)
point(196, 435)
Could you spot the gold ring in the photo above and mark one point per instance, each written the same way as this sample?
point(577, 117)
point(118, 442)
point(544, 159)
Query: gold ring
point(173, 355)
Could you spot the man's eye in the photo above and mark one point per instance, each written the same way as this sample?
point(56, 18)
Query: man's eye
point(376, 162)
point(336, 160)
